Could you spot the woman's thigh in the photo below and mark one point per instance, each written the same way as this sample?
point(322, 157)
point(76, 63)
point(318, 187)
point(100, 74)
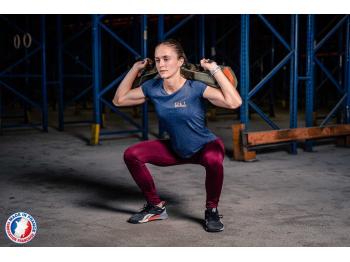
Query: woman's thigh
point(213, 152)
point(156, 152)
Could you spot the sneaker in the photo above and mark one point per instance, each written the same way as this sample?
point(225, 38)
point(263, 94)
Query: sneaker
point(212, 220)
point(149, 213)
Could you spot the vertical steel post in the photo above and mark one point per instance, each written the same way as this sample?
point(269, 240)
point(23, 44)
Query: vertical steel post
point(201, 36)
point(144, 40)
point(0, 109)
point(294, 78)
point(102, 106)
point(213, 38)
point(340, 57)
point(43, 78)
point(347, 71)
point(25, 105)
point(340, 74)
point(310, 82)
point(272, 89)
point(60, 73)
point(244, 73)
point(96, 80)
point(160, 38)
point(160, 27)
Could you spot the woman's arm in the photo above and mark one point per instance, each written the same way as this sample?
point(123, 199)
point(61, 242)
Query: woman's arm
point(227, 96)
point(125, 96)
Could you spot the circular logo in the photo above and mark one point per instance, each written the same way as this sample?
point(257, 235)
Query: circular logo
point(20, 227)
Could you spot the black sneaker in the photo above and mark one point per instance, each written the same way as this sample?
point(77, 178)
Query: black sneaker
point(149, 213)
point(212, 220)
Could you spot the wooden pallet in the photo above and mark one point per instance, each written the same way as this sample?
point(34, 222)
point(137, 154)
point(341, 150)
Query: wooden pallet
point(243, 142)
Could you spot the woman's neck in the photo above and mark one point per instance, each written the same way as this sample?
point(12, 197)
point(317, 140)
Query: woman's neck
point(174, 83)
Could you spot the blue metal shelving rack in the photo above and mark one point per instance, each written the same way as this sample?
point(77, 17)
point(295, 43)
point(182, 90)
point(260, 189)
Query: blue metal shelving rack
point(343, 91)
point(341, 82)
point(248, 92)
point(292, 57)
point(341, 85)
point(62, 76)
point(38, 46)
point(99, 90)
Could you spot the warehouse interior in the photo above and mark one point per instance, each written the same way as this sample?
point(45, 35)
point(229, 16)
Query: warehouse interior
point(286, 178)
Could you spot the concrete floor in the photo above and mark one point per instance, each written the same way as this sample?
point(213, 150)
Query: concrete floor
point(82, 195)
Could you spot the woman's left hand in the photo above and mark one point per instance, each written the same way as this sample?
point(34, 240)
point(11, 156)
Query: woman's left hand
point(208, 64)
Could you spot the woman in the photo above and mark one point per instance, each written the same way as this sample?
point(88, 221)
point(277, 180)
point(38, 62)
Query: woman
point(179, 104)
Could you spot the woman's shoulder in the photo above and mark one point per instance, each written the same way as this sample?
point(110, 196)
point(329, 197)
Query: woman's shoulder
point(153, 82)
point(195, 83)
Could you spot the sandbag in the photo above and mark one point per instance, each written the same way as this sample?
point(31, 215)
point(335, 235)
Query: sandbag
point(190, 72)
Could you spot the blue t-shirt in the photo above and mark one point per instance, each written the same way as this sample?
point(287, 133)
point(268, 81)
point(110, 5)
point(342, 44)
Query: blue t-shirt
point(182, 115)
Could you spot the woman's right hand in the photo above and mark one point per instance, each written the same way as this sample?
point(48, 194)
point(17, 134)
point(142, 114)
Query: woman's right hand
point(125, 95)
point(139, 65)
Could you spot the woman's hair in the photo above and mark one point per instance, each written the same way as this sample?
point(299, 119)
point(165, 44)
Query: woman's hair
point(177, 47)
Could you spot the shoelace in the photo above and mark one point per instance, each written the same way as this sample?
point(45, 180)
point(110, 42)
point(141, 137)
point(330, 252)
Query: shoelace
point(215, 216)
point(146, 207)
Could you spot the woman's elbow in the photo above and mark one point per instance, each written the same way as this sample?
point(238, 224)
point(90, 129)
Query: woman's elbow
point(117, 101)
point(236, 104)
point(239, 103)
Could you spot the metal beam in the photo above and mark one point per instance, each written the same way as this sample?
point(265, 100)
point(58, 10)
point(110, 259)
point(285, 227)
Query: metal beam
point(95, 68)
point(293, 100)
point(329, 75)
point(144, 53)
point(330, 33)
point(270, 74)
point(19, 95)
point(310, 81)
point(263, 115)
point(121, 41)
point(201, 36)
point(334, 110)
point(44, 111)
point(176, 27)
point(274, 31)
point(245, 73)
point(347, 71)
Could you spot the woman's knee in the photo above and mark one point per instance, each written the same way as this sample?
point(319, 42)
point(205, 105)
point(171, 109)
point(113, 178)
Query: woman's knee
point(130, 154)
point(213, 160)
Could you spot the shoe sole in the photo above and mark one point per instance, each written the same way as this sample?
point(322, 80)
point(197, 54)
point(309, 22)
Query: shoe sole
point(214, 231)
point(162, 216)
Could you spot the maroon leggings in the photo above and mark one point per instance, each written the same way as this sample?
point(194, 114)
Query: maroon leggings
point(159, 153)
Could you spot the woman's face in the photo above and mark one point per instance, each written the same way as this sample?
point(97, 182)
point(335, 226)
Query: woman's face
point(167, 61)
